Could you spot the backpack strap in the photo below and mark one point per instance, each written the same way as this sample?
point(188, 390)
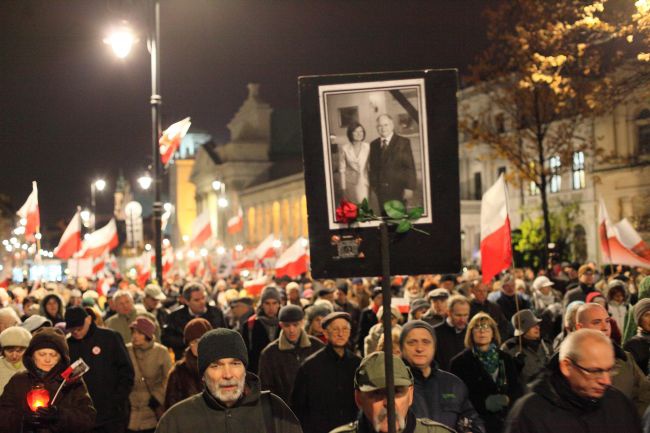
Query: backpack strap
point(267, 412)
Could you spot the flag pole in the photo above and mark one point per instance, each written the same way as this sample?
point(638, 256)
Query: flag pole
point(386, 320)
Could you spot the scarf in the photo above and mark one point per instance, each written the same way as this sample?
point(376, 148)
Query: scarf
point(543, 301)
point(489, 358)
point(271, 325)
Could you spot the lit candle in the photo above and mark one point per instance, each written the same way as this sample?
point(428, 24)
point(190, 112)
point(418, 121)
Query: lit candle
point(38, 397)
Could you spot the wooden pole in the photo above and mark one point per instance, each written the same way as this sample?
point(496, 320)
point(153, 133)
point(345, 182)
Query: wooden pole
point(386, 320)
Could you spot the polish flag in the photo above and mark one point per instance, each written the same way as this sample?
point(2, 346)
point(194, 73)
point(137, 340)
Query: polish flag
point(193, 261)
point(236, 223)
point(98, 265)
point(100, 241)
point(265, 249)
point(201, 229)
point(247, 261)
point(30, 213)
point(167, 261)
point(631, 239)
point(255, 286)
point(171, 139)
point(496, 245)
point(70, 242)
point(294, 261)
point(401, 304)
point(616, 242)
point(143, 268)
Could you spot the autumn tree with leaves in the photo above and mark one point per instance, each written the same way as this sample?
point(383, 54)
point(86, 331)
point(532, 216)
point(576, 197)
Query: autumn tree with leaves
point(546, 73)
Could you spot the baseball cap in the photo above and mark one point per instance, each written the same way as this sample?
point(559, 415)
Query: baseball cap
point(542, 281)
point(438, 294)
point(371, 374)
point(154, 291)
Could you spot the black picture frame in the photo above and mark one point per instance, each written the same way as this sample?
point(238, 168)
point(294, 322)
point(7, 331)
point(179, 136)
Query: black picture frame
point(429, 98)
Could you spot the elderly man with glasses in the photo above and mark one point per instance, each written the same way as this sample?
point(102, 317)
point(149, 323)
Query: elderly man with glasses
point(576, 395)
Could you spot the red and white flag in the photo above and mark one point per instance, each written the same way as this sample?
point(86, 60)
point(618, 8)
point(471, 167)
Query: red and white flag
point(631, 239)
point(255, 286)
point(265, 249)
point(100, 241)
point(171, 139)
point(201, 229)
point(236, 223)
point(294, 261)
point(496, 244)
point(247, 260)
point(167, 261)
point(30, 213)
point(70, 242)
point(143, 268)
point(616, 241)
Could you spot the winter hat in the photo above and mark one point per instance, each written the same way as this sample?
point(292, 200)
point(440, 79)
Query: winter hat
point(49, 338)
point(144, 326)
point(270, 292)
point(292, 286)
point(291, 313)
point(413, 324)
point(523, 320)
point(542, 281)
point(34, 322)
point(593, 295)
point(393, 312)
point(15, 336)
point(320, 310)
point(333, 316)
point(75, 317)
point(343, 286)
point(218, 344)
point(418, 304)
point(640, 308)
point(195, 329)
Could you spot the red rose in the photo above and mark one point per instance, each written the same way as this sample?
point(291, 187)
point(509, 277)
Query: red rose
point(346, 213)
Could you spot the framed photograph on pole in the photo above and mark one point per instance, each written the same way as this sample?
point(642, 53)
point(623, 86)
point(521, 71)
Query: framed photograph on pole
point(377, 140)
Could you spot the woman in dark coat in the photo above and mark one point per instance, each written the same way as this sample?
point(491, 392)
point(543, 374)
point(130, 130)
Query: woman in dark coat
point(184, 379)
point(52, 308)
point(489, 373)
point(45, 359)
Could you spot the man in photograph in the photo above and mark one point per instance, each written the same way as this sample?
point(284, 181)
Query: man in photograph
point(391, 165)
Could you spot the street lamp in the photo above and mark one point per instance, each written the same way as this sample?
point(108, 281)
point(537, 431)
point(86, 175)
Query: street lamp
point(97, 185)
point(125, 42)
point(121, 40)
point(145, 181)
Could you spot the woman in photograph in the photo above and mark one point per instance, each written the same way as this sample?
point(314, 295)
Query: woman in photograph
point(353, 164)
point(490, 374)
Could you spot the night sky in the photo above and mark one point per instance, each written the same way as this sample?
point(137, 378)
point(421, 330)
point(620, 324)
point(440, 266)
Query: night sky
point(70, 111)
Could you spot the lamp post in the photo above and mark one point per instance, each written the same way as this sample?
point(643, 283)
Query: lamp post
point(97, 185)
point(121, 46)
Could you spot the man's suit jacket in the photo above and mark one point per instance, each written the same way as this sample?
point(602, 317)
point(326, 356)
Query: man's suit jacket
point(391, 170)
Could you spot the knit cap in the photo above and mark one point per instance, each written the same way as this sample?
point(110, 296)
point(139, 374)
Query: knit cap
point(640, 308)
point(218, 344)
point(291, 313)
point(15, 336)
point(144, 326)
point(270, 292)
point(414, 324)
point(195, 329)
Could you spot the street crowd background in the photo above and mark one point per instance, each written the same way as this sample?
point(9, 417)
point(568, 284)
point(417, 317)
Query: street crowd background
point(305, 339)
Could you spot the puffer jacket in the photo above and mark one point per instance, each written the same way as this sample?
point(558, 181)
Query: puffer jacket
point(202, 413)
point(151, 364)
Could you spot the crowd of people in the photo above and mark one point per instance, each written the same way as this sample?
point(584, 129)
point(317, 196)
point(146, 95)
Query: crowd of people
point(564, 350)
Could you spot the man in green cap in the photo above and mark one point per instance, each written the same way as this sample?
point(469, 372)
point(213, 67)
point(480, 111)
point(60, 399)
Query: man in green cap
point(370, 396)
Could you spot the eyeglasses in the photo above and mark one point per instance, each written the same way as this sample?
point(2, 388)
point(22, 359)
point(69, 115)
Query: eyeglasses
point(596, 372)
point(482, 327)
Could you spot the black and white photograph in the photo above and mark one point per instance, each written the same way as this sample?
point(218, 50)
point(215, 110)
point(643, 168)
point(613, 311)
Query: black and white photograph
point(375, 145)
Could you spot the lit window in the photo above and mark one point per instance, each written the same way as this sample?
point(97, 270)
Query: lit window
point(578, 170)
point(556, 179)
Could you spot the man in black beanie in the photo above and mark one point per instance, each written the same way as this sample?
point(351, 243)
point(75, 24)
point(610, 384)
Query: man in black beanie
point(231, 399)
point(280, 360)
point(262, 328)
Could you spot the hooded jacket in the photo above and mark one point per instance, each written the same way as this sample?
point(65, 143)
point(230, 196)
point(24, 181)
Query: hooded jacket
point(552, 407)
point(630, 324)
point(280, 360)
point(74, 406)
point(205, 414)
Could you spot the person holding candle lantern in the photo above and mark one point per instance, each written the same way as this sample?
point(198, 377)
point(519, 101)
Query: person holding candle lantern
point(28, 403)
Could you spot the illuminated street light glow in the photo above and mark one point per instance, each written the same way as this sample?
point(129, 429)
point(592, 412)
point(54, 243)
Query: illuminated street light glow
point(186, 238)
point(100, 184)
point(168, 207)
point(304, 242)
point(121, 41)
point(222, 202)
point(204, 252)
point(24, 246)
point(166, 242)
point(179, 255)
point(147, 247)
point(9, 248)
point(145, 181)
point(86, 236)
point(191, 254)
point(5, 242)
point(221, 251)
point(216, 185)
point(23, 221)
point(85, 215)
point(38, 236)
point(245, 273)
point(239, 247)
point(19, 230)
point(277, 243)
point(14, 241)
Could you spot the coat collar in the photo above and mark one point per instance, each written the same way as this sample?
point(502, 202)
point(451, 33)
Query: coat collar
point(303, 342)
